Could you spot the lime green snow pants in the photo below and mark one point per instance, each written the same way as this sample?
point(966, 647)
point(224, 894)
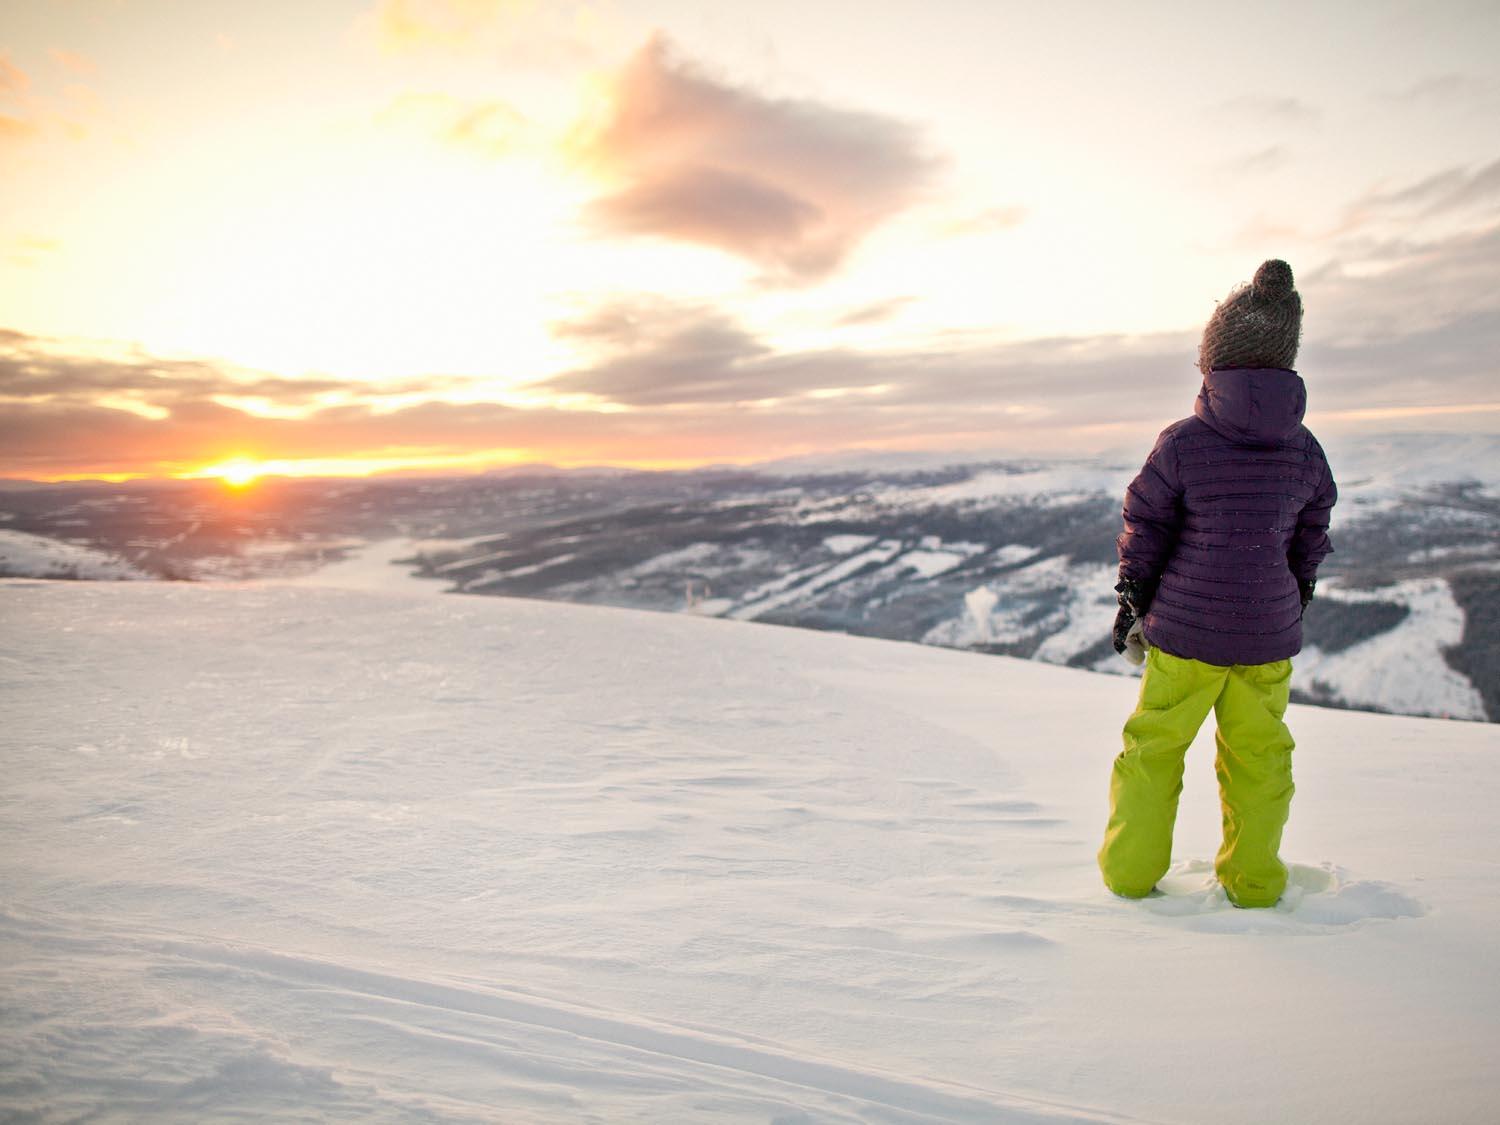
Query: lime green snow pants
point(1254, 767)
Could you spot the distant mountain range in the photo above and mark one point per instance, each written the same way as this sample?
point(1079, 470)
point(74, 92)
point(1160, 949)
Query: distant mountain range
point(997, 555)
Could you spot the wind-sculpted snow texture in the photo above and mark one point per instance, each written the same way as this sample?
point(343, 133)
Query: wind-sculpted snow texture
point(275, 852)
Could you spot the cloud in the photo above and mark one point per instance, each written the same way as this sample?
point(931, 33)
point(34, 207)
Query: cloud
point(72, 61)
point(489, 128)
point(1268, 108)
point(1263, 160)
point(1382, 290)
point(988, 220)
point(1452, 189)
point(694, 387)
point(1459, 191)
point(15, 85)
point(40, 370)
point(47, 438)
point(14, 129)
point(1398, 322)
point(874, 312)
point(43, 439)
point(1403, 328)
point(532, 33)
point(73, 110)
point(448, 23)
point(738, 211)
point(63, 411)
point(14, 81)
point(1442, 89)
point(792, 185)
point(653, 353)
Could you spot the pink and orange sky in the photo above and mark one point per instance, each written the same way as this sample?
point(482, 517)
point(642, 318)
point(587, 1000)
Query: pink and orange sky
point(360, 235)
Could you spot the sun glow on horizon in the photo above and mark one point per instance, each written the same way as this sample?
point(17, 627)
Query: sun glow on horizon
point(242, 471)
point(237, 472)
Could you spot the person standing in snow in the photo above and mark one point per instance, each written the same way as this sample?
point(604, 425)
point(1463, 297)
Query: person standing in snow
point(1225, 526)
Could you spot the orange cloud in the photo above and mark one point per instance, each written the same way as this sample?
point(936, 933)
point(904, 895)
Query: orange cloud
point(68, 111)
point(14, 129)
point(523, 32)
point(686, 386)
point(13, 80)
point(685, 382)
point(14, 84)
point(72, 61)
point(792, 185)
point(449, 23)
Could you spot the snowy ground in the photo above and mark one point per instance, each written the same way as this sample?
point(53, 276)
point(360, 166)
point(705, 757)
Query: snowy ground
point(299, 853)
point(370, 567)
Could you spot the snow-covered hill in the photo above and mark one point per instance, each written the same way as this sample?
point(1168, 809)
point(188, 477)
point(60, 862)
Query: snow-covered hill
point(282, 852)
point(23, 555)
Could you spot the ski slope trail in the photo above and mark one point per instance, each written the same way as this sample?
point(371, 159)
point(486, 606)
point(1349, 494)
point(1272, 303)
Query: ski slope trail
point(286, 852)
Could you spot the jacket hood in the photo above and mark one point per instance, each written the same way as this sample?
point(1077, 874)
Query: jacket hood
point(1260, 406)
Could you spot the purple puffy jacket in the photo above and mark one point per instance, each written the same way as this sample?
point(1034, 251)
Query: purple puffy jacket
point(1228, 514)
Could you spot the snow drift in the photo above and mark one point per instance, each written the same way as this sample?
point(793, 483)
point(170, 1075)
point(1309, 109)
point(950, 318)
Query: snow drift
point(290, 852)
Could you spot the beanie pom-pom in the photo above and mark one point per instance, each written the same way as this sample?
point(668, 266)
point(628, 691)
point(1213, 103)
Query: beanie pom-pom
point(1257, 325)
point(1273, 280)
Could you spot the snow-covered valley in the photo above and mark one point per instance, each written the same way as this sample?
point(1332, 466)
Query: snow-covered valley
point(296, 852)
point(1015, 558)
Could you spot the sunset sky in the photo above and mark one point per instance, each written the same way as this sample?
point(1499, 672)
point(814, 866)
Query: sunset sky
point(358, 235)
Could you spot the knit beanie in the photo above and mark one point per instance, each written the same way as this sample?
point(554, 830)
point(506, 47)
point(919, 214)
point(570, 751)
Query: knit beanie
point(1257, 325)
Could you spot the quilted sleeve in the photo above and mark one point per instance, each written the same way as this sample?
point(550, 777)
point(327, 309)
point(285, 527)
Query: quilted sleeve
point(1152, 514)
point(1310, 544)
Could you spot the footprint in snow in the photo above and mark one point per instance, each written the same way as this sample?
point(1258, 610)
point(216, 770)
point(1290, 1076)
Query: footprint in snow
point(1317, 899)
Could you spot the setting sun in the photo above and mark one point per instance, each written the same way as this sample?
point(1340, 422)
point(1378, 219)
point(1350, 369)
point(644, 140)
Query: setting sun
point(240, 472)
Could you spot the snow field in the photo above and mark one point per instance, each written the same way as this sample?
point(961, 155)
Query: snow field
point(1379, 672)
point(281, 851)
point(1076, 600)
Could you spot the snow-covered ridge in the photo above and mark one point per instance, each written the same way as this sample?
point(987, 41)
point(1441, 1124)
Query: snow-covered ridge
point(1398, 461)
point(23, 555)
point(1385, 459)
point(346, 854)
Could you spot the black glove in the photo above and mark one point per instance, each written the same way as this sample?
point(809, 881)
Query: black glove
point(1135, 595)
point(1123, 621)
point(1305, 588)
point(1135, 599)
